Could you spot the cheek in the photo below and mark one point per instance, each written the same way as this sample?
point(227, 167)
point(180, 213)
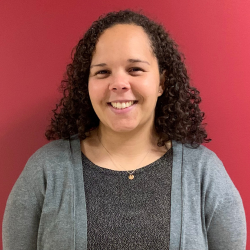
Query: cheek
point(90, 88)
point(93, 94)
point(96, 92)
point(150, 87)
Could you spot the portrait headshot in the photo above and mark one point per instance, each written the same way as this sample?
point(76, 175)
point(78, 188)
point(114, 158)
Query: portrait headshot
point(125, 125)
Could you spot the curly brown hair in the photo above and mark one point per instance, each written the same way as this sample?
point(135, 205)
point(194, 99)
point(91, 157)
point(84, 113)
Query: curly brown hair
point(177, 113)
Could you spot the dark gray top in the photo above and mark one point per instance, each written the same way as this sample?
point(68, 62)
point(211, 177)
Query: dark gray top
point(128, 214)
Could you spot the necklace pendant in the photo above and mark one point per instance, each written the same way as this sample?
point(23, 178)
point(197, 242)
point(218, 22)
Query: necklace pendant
point(131, 176)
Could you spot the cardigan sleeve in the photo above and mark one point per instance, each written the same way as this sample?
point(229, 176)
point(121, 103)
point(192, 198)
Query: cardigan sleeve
point(23, 209)
point(225, 215)
point(21, 218)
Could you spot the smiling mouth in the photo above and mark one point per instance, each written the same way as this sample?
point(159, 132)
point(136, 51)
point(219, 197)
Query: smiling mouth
point(122, 105)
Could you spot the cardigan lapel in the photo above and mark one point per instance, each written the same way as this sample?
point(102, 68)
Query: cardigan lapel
point(176, 197)
point(80, 211)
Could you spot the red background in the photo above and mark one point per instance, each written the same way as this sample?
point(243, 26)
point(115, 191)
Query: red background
point(36, 39)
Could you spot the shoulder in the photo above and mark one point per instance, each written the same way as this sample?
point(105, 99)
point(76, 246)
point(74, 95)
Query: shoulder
point(211, 167)
point(204, 166)
point(52, 149)
point(53, 156)
point(201, 155)
point(205, 162)
point(199, 158)
point(48, 164)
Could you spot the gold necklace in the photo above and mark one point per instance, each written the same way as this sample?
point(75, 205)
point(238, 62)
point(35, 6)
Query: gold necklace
point(130, 173)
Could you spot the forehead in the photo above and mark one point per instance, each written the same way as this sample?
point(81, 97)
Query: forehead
point(123, 40)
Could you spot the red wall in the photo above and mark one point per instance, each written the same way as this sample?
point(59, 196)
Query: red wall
point(36, 38)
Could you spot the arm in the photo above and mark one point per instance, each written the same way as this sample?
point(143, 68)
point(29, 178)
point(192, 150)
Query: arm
point(227, 228)
point(24, 206)
point(225, 215)
point(21, 218)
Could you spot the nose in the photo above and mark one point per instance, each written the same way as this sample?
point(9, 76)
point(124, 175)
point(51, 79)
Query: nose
point(119, 83)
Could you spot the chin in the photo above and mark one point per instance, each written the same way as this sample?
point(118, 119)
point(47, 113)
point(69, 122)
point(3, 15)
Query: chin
point(123, 129)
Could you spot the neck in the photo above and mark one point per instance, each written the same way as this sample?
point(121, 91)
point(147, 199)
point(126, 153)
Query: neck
point(131, 143)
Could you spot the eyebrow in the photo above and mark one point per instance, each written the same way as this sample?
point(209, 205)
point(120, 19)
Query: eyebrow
point(129, 60)
point(137, 60)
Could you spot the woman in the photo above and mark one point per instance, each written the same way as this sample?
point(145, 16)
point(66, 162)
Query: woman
point(128, 170)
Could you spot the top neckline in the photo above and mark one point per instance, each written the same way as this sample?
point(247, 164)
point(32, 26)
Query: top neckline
point(107, 170)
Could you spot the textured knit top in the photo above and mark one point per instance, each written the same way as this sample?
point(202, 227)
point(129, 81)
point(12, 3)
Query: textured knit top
point(128, 214)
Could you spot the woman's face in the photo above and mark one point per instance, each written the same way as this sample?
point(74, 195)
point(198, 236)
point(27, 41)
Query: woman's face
point(124, 79)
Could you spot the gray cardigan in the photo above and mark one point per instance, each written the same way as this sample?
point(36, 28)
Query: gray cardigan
point(46, 208)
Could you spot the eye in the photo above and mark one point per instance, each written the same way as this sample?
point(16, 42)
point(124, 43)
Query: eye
point(101, 72)
point(136, 69)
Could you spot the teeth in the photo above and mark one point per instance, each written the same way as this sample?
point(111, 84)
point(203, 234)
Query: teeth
point(123, 105)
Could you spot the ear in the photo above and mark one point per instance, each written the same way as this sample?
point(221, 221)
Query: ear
point(162, 83)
